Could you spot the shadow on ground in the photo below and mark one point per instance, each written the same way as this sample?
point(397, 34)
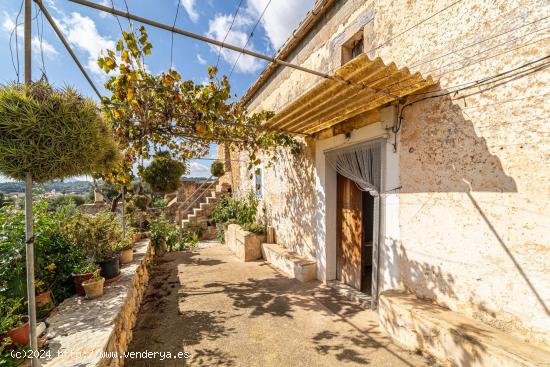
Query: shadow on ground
point(225, 312)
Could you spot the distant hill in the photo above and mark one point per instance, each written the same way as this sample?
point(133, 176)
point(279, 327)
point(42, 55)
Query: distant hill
point(78, 187)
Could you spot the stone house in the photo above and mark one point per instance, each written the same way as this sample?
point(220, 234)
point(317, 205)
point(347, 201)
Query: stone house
point(428, 174)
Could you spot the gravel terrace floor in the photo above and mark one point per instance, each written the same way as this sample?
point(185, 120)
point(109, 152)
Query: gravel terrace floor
point(229, 313)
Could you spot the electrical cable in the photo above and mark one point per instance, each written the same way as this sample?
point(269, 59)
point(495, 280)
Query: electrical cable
point(414, 26)
point(250, 36)
point(16, 68)
point(229, 30)
point(172, 33)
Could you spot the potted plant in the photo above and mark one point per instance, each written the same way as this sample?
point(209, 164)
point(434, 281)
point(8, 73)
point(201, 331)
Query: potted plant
point(82, 272)
point(13, 325)
point(108, 260)
point(98, 235)
point(126, 249)
point(93, 287)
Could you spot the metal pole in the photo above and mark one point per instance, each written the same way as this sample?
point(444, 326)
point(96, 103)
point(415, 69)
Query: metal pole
point(123, 214)
point(66, 44)
point(29, 253)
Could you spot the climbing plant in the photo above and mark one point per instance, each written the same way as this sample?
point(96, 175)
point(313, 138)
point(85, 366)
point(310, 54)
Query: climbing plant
point(162, 111)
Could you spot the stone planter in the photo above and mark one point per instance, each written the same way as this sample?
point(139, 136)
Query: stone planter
point(93, 288)
point(245, 245)
point(77, 281)
point(126, 256)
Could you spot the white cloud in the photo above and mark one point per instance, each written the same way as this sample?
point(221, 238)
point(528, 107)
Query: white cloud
point(81, 32)
point(280, 18)
point(189, 6)
point(46, 47)
point(218, 27)
point(197, 169)
point(8, 25)
point(200, 60)
point(278, 22)
point(103, 14)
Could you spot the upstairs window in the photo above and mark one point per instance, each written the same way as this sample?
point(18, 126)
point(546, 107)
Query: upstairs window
point(353, 47)
point(258, 182)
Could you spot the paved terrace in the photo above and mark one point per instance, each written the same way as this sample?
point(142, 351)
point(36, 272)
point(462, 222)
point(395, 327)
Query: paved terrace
point(226, 312)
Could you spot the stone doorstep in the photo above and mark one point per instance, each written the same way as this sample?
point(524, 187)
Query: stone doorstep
point(79, 330)
point(289, 262)
point(451, 337)
point(363, 299)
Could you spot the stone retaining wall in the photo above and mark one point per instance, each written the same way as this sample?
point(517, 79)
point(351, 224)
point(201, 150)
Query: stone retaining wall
point(97, 332)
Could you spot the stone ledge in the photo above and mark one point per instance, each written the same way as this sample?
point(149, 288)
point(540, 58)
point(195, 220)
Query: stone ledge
point(245, 245)
point(289, 262)
point(81, 332)
point(451, 337)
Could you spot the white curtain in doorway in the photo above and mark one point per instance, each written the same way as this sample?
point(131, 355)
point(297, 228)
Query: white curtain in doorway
point(360, 163)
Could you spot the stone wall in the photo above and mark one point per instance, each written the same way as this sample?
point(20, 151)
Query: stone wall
point(475, 171)
point(94, 332)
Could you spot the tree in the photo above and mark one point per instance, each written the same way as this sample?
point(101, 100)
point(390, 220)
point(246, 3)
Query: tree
point(150, 112)
point(217, 169)
point(164, 173)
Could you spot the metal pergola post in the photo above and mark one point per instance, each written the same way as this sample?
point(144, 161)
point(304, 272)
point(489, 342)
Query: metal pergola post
point(29, 236)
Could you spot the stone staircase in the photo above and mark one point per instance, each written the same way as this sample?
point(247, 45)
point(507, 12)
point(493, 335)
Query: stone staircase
point(198, 214)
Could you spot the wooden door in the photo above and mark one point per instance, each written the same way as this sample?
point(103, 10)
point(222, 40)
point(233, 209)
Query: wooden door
point(349, 221)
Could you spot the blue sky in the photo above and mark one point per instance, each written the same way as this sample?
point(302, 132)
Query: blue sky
point(89, 32)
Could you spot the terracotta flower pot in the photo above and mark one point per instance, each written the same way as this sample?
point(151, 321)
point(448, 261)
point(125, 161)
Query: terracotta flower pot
point(20, 334)
point(136, 237)
point(44, 299)
point(126, 256)
point(93, 288)
point(78, 279)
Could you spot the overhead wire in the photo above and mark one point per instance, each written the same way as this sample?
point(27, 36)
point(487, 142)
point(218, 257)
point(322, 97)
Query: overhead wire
point(172, 34)
point(228, 30)
point(14, 30)
point(251, 34)
point(414, 26)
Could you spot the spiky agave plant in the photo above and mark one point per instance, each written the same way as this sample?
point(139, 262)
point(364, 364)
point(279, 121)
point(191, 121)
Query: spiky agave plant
point(52, 133)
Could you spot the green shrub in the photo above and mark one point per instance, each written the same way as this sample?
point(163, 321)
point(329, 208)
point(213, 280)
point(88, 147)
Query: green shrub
point(141, 202)
point(217, 169)
point(52, 133)
point(254, 228)
point(242, 210)
point(164, 173)
point(97, 235)
point(56, 255)
point(167, 235)
point(138, 220)
point(160, 203)
point(57, 202)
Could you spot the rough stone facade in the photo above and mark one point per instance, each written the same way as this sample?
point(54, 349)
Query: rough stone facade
point(474, 170)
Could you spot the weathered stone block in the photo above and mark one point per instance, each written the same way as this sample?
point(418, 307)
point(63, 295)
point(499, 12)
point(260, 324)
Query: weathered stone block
point(451, 337)
point(246, 245)
point(289, 262)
